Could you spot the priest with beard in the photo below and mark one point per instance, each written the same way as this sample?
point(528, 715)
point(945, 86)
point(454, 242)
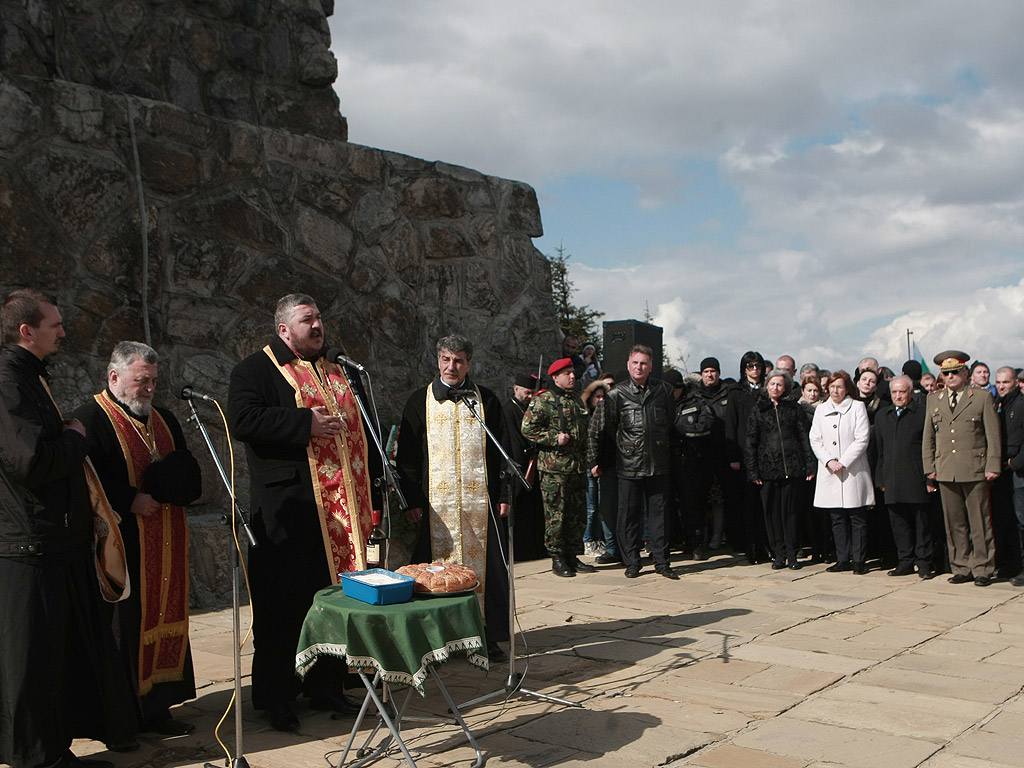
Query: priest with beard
point(149, 476)
point(310, 471)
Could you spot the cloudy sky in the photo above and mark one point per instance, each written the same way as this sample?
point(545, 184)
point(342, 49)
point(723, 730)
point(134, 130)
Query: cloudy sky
point(802, 177)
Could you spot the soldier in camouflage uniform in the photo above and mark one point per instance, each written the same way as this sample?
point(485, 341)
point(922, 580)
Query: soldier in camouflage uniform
point(557, 422)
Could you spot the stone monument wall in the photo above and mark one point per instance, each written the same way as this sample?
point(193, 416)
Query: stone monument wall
point(241, 207)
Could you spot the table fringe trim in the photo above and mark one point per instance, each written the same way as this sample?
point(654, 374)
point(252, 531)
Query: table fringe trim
point(470, 645)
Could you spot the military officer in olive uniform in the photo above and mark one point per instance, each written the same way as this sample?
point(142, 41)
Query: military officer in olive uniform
point(556, 422)
point(961, 451)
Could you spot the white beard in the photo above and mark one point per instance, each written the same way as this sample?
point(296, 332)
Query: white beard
point(138, 407)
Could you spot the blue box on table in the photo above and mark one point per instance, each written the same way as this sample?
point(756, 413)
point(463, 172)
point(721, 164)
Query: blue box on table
point(377, 586)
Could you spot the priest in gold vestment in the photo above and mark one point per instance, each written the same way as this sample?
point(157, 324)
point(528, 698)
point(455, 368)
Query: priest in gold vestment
point(450, 475)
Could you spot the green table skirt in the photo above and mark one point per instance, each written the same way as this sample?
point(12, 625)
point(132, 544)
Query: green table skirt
point(400, 641)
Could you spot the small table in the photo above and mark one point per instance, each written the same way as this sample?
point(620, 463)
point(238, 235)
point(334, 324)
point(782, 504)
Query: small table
point(401, 644)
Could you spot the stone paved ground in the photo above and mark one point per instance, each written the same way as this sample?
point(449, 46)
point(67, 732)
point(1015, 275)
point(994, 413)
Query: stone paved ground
point(732, 666)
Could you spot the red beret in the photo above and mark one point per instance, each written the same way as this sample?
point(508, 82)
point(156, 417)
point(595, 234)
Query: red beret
point(559, 365)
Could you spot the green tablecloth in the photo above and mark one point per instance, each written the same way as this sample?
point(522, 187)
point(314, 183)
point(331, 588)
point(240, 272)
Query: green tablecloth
point(400, 641)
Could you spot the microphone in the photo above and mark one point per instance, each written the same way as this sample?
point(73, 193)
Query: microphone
point(187, 393)
point(459, 394)
point(335, 355)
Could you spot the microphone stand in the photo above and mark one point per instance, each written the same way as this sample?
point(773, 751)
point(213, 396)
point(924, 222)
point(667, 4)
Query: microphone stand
point(514, 681)
point(236, 572)
point(390, 480)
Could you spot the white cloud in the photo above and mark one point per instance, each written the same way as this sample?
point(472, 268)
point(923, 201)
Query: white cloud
point(876, 148)
point(985, 324)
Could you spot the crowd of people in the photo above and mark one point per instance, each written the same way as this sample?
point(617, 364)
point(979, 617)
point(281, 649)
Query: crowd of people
point(781, 468)
point(914, 473)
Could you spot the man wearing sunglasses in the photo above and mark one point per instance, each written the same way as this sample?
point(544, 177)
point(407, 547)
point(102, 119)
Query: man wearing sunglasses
point(961, 452)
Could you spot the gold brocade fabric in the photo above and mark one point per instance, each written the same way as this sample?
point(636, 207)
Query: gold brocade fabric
point(457, 472)
point(163, 551)
point(338, 465)
point(111, 561)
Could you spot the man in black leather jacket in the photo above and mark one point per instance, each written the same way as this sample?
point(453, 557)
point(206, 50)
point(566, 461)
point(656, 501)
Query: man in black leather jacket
point(638, 416)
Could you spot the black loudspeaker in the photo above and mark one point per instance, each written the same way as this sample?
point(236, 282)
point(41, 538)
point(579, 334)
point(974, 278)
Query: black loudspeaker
point(620, 336)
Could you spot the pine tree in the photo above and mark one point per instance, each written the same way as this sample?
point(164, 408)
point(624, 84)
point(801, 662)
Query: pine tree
point(578, 321)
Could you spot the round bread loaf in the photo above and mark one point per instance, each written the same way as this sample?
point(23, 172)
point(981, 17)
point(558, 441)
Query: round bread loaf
point(440, 577)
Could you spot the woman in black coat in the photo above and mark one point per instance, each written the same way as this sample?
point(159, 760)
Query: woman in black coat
point(778, 458)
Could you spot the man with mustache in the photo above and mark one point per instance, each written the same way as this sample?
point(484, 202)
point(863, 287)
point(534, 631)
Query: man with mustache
point(149, 476)
point(309, 487)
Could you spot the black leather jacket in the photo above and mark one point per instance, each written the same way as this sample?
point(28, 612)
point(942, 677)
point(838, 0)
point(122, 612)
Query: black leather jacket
point(777, 445)
point(44, 499)
point(637, 422)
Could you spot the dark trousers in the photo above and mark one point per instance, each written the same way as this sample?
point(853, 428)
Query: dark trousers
point(911, 530)
point(690, 503)
point(1018, 508)
point(1004, 526)
point(755, 538)
point(608, 508)
point(633, 491)
point(283, 580)
point(850, 531)
point(781, 499)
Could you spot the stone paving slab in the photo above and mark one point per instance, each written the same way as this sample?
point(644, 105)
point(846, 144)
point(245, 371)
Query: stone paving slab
point(835, 745)
point(732, 666)
point(933, 684)
point(899, 713)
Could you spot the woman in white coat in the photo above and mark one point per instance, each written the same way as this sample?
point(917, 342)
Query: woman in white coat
point(839, 438)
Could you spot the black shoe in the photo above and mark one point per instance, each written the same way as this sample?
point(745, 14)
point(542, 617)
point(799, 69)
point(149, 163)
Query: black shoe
point(699, 553)
point(960, 578)
point(778, 565)
point(123, 746)
point(561, 568)
point(338, 703)
point(169, 727)
point(1018, 581)
point(860, 569)
point(71, 760)
point(632, 571)
point(607, 559)
point(282, 717)
point(795, 566)
point(840, 567)
point(580, 567)
point(982, 581)
point(496, 654)
point(667, 572)
point(926, 573)
point(902, 570)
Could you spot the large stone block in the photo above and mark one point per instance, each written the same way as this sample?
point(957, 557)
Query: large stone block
point(20, 117)
point(167, 168)
point(433, 198)
point(82, 190)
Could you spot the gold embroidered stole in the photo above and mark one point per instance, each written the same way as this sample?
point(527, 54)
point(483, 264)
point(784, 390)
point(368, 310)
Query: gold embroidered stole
point(338, 465)
point(457, 478)
point(111, 561)
point(163, 551)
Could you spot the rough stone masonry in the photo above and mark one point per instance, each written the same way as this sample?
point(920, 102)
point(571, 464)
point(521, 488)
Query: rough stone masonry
point(251, 190)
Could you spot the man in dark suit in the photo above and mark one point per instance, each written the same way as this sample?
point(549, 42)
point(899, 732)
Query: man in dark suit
point(310, 490)
point(899, 429)
point(960, 450)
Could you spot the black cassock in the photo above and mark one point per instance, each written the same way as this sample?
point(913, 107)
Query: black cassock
point(413, 463)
